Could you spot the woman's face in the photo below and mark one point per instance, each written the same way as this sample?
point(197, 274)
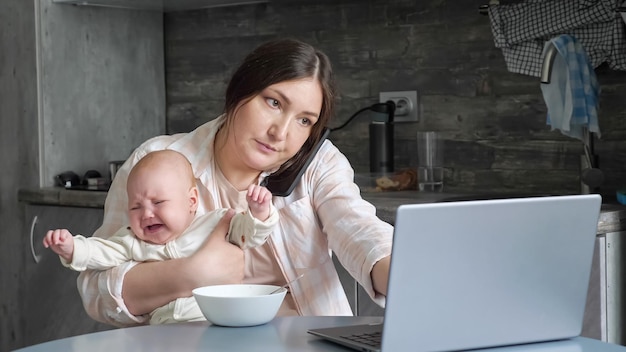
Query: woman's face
point(270, 128)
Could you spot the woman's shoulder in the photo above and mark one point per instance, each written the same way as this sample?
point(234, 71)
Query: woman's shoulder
point(329, 163)
point(160, 142)
point(182, 141)
point(330, 156)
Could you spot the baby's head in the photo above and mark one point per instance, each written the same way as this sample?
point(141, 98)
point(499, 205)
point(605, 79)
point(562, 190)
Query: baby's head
point(162, 196)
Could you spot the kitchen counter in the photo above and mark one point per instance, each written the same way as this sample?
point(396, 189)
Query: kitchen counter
point(59, 196)
point(612, 216)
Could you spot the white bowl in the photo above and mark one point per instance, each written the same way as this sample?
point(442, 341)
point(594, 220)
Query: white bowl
point(239, 305)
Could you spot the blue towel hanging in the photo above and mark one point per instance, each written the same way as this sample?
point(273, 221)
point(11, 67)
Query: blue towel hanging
point(572, 94)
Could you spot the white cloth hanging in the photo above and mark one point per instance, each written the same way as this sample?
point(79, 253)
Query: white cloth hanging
point(572, 94)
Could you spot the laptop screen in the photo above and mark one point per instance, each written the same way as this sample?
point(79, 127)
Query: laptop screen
point(488, 273)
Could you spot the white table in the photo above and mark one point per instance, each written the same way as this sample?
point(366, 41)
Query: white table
point(281, 334)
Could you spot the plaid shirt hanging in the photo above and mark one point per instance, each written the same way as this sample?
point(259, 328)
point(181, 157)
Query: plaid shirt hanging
point(520, 30)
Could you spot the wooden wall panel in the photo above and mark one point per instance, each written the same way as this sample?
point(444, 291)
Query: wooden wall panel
point(494, 121)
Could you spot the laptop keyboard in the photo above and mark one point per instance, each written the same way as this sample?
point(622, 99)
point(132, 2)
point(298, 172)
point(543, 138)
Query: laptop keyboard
point(370, 339)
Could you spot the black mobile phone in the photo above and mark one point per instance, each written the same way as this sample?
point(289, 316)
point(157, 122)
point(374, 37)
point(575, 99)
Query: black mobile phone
point(282, 185)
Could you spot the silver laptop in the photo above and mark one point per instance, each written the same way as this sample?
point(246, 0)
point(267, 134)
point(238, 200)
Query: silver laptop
point(478, 274)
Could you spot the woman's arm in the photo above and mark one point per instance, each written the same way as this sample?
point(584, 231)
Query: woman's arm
point(123, 295)
point(150, 285)
point(359, 239)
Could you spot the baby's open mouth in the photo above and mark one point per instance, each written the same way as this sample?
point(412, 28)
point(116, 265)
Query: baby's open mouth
point(154, 227)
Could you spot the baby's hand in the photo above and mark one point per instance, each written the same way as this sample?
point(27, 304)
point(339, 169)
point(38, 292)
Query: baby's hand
point(61, 242)
point(259, 199)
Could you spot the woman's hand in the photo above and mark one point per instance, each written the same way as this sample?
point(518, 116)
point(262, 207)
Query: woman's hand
point(150, 285)
point(217, 261)
point(380, 275)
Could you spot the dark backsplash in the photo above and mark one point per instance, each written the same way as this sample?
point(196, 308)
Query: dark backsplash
point(494, 121)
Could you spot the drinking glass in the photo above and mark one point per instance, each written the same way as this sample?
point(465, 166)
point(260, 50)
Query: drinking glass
point(430, 161)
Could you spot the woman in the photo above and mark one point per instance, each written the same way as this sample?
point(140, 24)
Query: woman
point(277, 104)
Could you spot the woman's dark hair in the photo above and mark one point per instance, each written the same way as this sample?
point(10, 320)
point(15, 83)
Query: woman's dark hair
point(278, 61)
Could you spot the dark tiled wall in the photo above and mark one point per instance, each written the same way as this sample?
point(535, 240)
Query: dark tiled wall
point(493, 120)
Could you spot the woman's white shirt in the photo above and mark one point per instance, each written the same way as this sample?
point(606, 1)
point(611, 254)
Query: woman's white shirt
point(325, 213)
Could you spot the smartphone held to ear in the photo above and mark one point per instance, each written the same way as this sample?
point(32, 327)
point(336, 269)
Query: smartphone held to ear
point(282, 185)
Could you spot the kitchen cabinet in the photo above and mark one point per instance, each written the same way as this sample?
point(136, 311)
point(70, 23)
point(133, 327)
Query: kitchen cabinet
point(605, 312)
point(79, 87)
point(365, 305)
point(51, 307)
point(613, 260)
point(348, 283)
point(18, 115)
point(360, 302)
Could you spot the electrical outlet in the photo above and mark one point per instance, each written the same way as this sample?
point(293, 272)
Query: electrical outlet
point(407, 105)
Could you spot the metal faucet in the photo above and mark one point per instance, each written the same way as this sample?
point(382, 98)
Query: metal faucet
point(591, 177)
point(548, 61)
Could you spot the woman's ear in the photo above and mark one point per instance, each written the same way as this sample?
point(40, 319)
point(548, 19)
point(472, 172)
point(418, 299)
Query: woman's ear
point(193, 199)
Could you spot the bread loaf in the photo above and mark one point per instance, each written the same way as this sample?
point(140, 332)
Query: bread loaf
point(402, 180)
